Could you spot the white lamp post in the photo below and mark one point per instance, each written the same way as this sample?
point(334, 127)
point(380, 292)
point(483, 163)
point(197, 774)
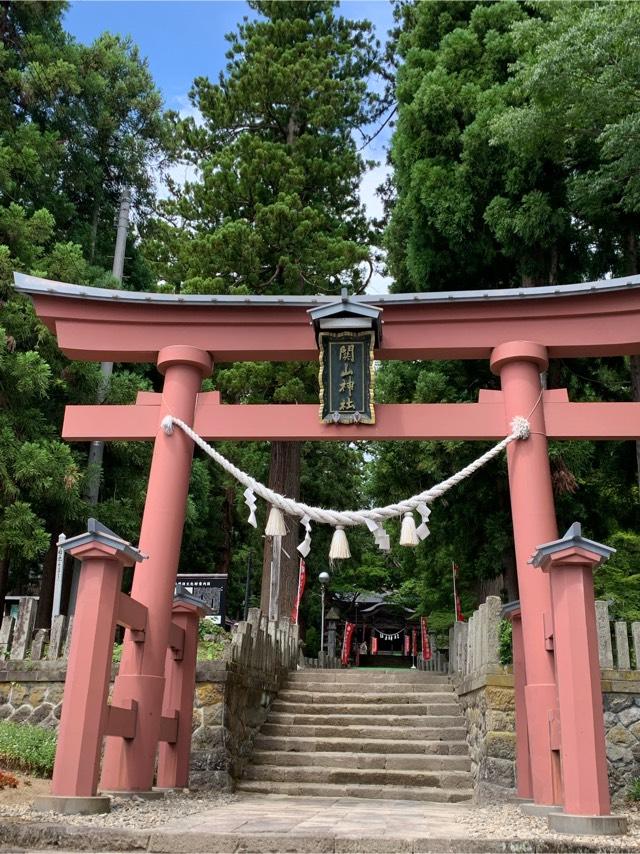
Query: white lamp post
point(323, 578)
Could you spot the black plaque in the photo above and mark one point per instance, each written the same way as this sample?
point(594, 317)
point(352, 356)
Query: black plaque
point(346, 377)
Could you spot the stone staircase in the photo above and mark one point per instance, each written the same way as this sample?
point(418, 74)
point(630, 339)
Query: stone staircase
point(397, 734)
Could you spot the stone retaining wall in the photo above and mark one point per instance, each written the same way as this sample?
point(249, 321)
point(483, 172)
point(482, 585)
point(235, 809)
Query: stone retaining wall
point(230, 705)
point(488, 702)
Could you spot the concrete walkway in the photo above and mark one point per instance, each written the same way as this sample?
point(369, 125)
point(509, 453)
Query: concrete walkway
point(321, 820)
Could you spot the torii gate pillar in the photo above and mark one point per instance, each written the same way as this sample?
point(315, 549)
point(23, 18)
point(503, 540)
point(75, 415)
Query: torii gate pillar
point(519, 363)
point(129, 764)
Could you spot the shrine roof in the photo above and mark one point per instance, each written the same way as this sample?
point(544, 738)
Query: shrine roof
point(34, 285)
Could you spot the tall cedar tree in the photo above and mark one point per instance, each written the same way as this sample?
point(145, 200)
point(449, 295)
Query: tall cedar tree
point(275, 208)
point(77, 123)
point(476, 209)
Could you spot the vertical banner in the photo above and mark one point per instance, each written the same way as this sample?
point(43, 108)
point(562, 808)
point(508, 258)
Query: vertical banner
point(374, 645)
point(346, 643)
point(426, 646)
point(407, 644)
point(302, 580)
point(414, 643)
point(459, 614)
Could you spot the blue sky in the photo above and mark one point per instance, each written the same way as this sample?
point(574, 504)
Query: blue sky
point(184, 39)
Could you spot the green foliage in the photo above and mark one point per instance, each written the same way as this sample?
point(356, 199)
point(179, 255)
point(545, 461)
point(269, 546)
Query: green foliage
point(312, 642)
point(505, 649)
point(633, 790)
point(77, 124)
point(27, 748)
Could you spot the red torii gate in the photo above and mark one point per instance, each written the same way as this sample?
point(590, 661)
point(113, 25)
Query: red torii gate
point(517, 330)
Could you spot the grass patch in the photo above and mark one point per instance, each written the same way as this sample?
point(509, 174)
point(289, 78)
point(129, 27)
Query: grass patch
point(633, 792)
point(27, 748)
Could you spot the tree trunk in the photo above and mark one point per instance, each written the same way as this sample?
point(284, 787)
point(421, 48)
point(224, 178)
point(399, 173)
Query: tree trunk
point(4, 581)
point(631, 268)
point(227, 529)
point(47, 585)
point(284, 477)
point(95, 217)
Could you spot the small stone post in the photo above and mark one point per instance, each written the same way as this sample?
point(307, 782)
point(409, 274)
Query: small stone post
point(6, 635)
point(605, 651)
point(23, 628)
point(623, 659)
point(570, 562)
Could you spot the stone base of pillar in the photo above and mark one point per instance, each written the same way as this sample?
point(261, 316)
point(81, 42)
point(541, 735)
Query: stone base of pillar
point(539, 810)
point(589, 825)
point(144, 795)
point(72, 805)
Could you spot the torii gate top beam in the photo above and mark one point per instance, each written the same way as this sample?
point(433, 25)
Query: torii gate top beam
point(588, 319)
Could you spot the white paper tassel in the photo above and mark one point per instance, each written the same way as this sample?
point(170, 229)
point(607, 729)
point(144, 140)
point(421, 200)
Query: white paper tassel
point(408, 535)
point(422, 530)
point(339, 545)
point(382, 539)
point(305, 546)
point(250, 501)
point(275, 524)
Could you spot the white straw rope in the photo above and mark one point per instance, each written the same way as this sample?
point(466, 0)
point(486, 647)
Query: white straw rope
point(373, 517)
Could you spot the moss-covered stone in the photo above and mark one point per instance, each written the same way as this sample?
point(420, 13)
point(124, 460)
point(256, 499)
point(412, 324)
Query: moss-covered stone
point(502, 699)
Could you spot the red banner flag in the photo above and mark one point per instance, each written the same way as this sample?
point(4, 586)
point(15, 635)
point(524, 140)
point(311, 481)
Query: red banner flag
point(302, 580)
point(426, 646)
point(407, 644)
point(459, 614)
point(414, 644)
point(346, 643)
point(374, 646)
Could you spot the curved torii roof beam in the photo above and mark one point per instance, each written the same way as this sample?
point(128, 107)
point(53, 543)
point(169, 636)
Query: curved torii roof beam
point(587, 319)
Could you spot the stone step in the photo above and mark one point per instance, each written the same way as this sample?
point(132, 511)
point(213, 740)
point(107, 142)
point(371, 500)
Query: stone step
point(341, 709)
point(373, 697)
point(396, 677)
point(366, 776)
point(360, 745)
point(441, 732)
point(356, 790)
point(379, 719)
point(376, 688)
point(347, 759)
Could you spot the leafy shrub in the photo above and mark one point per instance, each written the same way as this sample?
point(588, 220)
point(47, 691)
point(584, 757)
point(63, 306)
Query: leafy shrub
point(633, 792)
point(27, 748)
point(506, 645)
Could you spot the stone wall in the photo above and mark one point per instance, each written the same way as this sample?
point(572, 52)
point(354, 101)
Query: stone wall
point(488, 702)
point(230, 706)
point(231, 702)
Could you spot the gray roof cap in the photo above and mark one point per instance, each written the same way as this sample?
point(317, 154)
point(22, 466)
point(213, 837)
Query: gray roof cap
point(35, 285)
point(97, 532)
point(510, 609)
point(182, 596)
point(573, 537)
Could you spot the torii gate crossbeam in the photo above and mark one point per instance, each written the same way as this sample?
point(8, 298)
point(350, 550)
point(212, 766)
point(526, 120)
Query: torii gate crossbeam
point(517, 331)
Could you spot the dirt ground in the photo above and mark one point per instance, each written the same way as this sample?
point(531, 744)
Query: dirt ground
point(28, 788)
